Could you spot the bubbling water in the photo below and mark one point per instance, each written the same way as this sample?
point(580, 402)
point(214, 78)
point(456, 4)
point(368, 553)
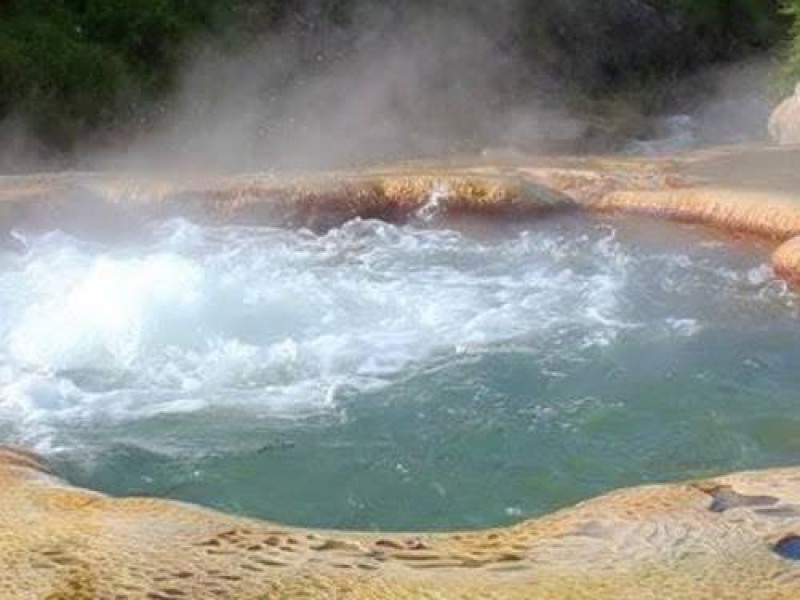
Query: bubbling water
point(197, 343)
point(265, 318)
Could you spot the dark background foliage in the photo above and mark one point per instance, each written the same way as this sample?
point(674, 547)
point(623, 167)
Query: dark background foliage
point(77, 69)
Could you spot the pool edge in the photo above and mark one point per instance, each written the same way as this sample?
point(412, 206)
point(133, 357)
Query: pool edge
point(732, 536)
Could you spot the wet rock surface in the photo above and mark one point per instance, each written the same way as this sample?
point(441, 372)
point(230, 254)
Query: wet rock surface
point(747, 189)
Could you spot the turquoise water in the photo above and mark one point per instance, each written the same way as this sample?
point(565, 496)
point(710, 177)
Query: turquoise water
point(397, 377)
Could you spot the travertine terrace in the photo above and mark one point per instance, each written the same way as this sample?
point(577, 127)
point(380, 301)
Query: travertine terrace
point(732, 537)
point(738, 189)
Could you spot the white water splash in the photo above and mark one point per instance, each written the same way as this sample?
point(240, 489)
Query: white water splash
point(435, 204)
point(266, 319)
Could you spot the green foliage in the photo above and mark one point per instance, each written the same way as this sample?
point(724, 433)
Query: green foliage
point(608, 46)
point(725, 28)
point(791, 70)
point(72, 66)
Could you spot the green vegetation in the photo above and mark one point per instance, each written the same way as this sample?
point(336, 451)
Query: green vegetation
point(66, 65)
point(637, 40)
point(723, 29)
point(77, 68)
point(792, 64)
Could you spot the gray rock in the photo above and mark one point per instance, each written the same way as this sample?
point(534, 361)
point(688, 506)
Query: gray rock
point(784, 124)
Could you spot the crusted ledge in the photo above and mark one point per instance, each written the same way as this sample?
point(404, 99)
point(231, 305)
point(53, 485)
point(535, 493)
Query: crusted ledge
point(732, 537)
point(751, 190)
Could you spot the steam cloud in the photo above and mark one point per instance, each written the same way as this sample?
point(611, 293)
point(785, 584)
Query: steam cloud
point(434, 83)
point(394, 82)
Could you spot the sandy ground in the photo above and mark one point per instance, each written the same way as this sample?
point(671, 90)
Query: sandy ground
point(735, 537)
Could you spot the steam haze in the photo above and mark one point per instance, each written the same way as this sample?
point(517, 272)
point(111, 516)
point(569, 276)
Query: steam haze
point(436, 82)
point(388, 81)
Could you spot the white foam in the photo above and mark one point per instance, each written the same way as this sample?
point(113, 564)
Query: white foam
point(276, 320)
point(105, 313)
point(683, 327)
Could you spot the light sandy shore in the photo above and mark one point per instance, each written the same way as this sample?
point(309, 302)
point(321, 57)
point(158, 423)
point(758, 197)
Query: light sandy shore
point(726, 538)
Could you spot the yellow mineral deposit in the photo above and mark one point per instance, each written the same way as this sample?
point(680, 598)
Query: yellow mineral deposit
point(747, 190)
point(733, 537)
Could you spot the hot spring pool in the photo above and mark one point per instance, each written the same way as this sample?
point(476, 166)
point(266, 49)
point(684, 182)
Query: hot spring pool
point(397, 377)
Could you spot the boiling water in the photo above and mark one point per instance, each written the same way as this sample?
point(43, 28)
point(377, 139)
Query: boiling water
point(396, 376)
